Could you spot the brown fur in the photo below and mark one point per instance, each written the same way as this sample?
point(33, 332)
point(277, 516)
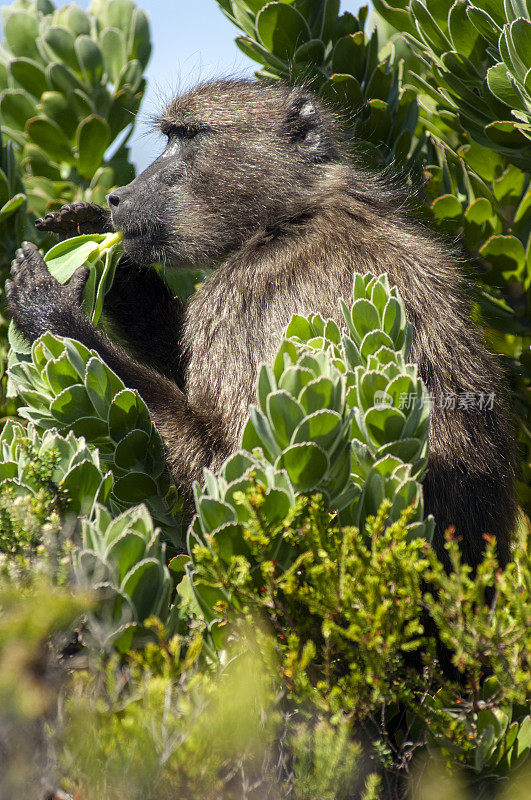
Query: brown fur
point(256, 182)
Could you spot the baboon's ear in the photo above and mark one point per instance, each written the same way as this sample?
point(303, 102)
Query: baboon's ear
point(305, 123)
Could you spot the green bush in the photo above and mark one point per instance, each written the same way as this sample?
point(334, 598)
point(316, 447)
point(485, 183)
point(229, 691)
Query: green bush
point(70, 82)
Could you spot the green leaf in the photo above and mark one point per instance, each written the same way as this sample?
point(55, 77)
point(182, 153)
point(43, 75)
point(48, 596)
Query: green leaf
point(71, 404)
point(365, 317)
point(258, 52)
point(90, 58)
point(506, 253)
point(102, 386)
point(261, 429)
point(78, 22)
point(306, 465)
point(16, 108)
point(294, 379)
point(463, 34)
point(62, 79)
point(344, 91)
point(373, 341)
point(329, 12)
point(428, 28)
point(142, 584)
point(282, 29)
point(119, 14)
point(446, 207)
point(322, 427)
point(384, 424)
point(317, 394)
point(139, 46)
point(65, 257)
point(214, 513)
point(479, 211)
point(17, 341)
point(56, 107)
point(125, 551)
point(519, 43)
point(114, 54)
point(29, 75)
point(484, 24)
point(82, 483)
point(312, 52)
point(127, 411)
point(93, 137)
point(21, 30)
point(49, 136)
point(60, 43)
point(500, 83)
point(131, 76)
point(135, 487)
point(284, 413)
point(12, 206)
point(61, 374)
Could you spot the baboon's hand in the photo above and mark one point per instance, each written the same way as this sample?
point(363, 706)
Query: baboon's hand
point(38, 302)
point(74, 219)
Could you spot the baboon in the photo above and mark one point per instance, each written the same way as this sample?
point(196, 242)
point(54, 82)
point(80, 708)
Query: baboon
point(256, 181)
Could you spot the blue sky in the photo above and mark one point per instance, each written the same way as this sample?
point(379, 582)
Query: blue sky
point(191, 40)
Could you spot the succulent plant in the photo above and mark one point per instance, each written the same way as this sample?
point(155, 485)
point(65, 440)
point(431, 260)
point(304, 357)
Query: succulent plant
point(302, 422)
point(45, 480)
point(70, 83)
point(346, 415)
point(479, 57)
point(124, 560)
point(68, 387)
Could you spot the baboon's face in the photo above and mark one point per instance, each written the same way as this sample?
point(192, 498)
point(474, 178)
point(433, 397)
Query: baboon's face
point(239, 156)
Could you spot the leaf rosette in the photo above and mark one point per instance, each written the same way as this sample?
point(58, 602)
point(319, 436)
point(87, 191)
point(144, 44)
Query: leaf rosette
point(123, 560)
point(68, 387)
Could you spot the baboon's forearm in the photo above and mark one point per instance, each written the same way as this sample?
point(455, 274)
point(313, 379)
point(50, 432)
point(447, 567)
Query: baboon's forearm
point(145, 316)
point(191, 436)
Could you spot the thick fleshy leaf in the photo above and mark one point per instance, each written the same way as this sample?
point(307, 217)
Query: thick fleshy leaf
point(142, 585)
point(134, 487)
point(306, 465)
point(322, 427)
point(59, 42)
point(90, 58)
point(317, 394)
point(82, 484)
point(12, 206)
point(102, 384)
point(71, 404)
point(214, 513)
point(384, 424)
point(284, 414)
point(49, 136)
point(65, 257)
point(114, 55)
point(282, 29)
point(127, 411)
point(16, 107)
point(93, 137)
point(21, 30)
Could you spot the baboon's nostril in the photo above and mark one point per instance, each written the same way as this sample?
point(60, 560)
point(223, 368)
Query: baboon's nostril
point(113, 199)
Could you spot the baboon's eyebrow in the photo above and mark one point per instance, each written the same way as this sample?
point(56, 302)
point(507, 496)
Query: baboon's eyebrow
point(167, 123)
